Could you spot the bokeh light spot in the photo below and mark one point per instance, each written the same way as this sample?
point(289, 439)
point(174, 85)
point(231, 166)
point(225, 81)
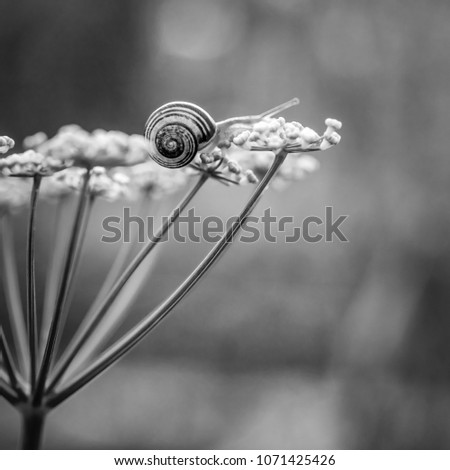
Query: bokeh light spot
point(199, 29)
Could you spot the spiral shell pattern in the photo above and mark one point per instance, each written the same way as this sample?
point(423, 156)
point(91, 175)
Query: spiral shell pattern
point(177, 131)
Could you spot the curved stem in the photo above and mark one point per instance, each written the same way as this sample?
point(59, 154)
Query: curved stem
point(10, 367)
point(62, 294)
point(122, 346)
point(7, 392)
point(113, 318)
point(31, 282)
point(118, 265)
point(82, 335)
point(12, 294)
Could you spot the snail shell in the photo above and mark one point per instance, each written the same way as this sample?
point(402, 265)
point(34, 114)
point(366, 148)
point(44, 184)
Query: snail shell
point(177, 131)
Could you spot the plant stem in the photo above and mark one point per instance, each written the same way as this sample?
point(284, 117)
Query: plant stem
point(33, 421)
point(75, 266)
point(112, 320)
point(84, 333)
point(115, 316)
point(123, 345)
point(7, 392)
point(12, 295)
point(52, 281)
point(62, 294)
point(31, 282)
point(77, 257)
point(116, 269)
point(10, 367)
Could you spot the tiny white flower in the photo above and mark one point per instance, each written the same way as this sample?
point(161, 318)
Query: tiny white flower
point(309, 135)
point(6, 143)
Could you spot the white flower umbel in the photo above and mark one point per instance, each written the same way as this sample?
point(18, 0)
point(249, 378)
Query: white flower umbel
point(246, 147)
point(30, 164)
point(99, 148)
point(258, 149)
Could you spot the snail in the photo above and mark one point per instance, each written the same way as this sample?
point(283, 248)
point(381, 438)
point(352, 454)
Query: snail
point(177, 131)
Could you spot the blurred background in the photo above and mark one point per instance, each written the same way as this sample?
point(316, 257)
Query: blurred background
point(281, 346)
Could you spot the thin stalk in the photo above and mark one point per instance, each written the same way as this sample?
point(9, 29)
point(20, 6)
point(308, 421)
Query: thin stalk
point(84, 333)
point(119, 263)
point(113, 274)
point(52, 281)
point(31, 282)
point(75, 266)
point(7, 392)
point(12, 295)
point(10, 367)
point(62, 294)
point(115, 316)
point(116, 269)
point(134, 336)
point(33, 421)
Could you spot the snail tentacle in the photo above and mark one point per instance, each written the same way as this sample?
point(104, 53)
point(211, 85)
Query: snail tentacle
point(251, 119)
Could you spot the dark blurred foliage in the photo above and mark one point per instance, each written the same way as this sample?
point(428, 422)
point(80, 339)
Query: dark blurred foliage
point(281, 346)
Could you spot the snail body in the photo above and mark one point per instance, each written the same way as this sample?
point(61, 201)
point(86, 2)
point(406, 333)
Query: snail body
point(177, 131)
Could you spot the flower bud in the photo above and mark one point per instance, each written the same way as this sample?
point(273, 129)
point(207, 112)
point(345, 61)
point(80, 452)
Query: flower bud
point(6, 143)
point(233, 167)
point(309, 135)
point(251, 177)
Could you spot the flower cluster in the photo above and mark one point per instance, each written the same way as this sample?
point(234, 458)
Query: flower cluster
point(103, 184)
point(222, 166)
point(99, 148)
point(276, 134)
point(121, 168)
point(62, 184)
point(110, 186)
point(295, 168)
point(14, 194)
point(30, 163)
point(6, 143)
point(247, 151)
point(155, 181)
